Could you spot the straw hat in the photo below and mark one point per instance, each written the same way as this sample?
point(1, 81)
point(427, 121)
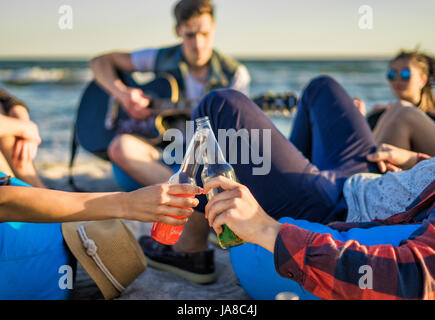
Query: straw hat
point(108, 252)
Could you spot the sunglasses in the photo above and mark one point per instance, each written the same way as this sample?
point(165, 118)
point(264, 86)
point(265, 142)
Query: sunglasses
point(405, 74)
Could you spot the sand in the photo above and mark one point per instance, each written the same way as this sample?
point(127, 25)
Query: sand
point(96, 176)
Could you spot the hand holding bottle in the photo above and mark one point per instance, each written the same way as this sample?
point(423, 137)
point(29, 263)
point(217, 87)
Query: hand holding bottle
point(160, 203)
point(237, 208)
point(215, 165)
point(165, 233)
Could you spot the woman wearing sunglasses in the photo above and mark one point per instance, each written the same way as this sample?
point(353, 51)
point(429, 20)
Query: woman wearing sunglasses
point(408, 122)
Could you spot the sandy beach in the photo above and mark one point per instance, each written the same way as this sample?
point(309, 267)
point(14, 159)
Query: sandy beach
point(96, 176)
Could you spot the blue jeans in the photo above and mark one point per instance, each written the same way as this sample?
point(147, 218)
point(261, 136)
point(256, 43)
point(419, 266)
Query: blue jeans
point(329, 142)
point(33, 260)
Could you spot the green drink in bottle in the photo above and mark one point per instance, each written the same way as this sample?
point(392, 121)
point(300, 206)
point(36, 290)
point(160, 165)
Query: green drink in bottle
point(216, 165)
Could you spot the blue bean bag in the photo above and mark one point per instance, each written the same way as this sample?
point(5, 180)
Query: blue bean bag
point(126, 182)
point(255, 268)
point(34, 260)
point(123, 179)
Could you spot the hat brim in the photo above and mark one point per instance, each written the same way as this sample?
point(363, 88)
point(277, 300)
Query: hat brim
point(74, 243)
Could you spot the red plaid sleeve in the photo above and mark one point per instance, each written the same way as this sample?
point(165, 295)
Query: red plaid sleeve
point(332, 269)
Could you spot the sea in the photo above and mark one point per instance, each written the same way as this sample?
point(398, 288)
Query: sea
point(52, 89)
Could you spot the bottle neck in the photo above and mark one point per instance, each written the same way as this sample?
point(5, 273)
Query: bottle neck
point(190, 165)
point(212, 153)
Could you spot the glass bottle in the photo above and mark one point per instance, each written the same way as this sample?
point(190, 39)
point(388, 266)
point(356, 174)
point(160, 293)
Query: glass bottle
point(216, 165)
point(165, 233)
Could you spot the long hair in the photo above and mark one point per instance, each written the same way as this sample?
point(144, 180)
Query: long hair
point(426, 64)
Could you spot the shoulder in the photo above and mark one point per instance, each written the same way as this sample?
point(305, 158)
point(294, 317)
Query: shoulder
point(152, 59)
point(242, 72)
point(168, 58)
point(170, 48)
point(143, 59)
point(229, 64)
point(144, 51)
point(241, 79)
point(236, 71)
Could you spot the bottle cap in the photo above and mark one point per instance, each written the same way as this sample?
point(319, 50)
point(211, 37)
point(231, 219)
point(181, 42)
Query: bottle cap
point(286, 296)
point(201, 120)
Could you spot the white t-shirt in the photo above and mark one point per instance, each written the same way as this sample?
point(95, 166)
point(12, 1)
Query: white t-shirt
point(144, 61)
point(373, 196)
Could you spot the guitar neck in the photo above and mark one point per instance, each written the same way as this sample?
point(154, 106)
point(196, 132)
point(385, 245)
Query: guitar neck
point(280, 105)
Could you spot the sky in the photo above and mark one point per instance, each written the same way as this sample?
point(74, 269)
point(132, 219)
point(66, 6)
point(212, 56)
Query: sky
point(245, 28)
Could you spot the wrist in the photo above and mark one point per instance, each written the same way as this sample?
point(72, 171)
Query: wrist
point(123, 205)
point(415, 158)
point(266, 237)
point(421, 157)
point(119, 89)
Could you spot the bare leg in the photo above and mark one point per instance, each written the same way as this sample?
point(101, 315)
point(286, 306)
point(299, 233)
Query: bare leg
point(195, 234)
point(408, 128)
point(27, 172)
point(138, 159)
point(4, 166)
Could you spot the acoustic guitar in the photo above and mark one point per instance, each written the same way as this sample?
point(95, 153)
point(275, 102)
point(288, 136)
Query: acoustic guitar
point(98, 112)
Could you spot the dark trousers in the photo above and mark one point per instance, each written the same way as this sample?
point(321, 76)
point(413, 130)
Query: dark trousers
point(329, 142)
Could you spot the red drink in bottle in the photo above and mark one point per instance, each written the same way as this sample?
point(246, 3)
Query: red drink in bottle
point(166, 233)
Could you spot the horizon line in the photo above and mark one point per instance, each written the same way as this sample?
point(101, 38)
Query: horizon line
point(246, 57)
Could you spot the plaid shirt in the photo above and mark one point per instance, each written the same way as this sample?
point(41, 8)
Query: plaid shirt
point(329, 268)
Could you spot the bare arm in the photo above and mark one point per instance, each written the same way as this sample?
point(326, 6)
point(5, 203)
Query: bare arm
point(149, 204)
point(20, 128)
point(9, 126)
point(38, 205)
point(104, 68)
point(17, 123)
point(392, 158)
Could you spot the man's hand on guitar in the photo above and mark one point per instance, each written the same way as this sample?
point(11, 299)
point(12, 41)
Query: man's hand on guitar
point(135, 103)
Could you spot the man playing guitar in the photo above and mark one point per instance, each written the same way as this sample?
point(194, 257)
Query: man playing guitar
point(196, 66)
point(198, 69)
